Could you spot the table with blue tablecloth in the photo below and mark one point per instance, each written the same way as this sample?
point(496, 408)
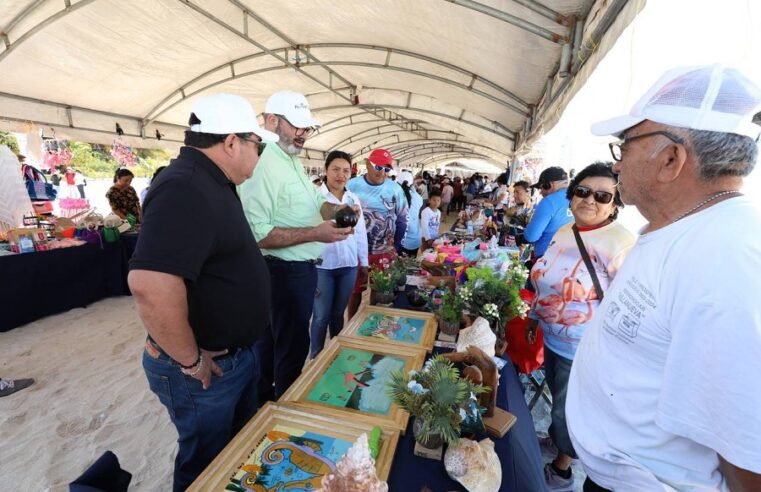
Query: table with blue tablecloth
point(518, 451)
point(36, 285)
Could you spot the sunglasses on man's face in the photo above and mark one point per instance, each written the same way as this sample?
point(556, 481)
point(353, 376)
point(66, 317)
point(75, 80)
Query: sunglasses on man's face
point(583, 192)
point(382, 168)
point(546, 186)
point(260, 146)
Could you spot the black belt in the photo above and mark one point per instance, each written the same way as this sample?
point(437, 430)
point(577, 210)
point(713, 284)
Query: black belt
point(150, 341)
point(275, 259)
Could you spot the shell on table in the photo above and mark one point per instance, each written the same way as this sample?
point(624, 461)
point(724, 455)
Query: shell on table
point(475, 465)
point(480, 335)
point(355, 472)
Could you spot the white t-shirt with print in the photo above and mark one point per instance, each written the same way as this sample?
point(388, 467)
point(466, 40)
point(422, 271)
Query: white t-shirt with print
point(667, 376)
point(429, 223)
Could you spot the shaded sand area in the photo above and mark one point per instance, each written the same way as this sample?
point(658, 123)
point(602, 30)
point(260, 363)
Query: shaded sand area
point(90, 396)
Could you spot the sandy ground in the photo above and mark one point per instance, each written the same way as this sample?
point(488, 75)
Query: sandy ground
point(91, 395)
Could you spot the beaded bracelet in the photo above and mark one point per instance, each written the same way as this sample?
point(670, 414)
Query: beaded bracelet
point(191, 366)
point(199, 365)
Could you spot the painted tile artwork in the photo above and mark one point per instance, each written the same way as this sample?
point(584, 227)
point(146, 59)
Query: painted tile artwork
point(288, 459)
point(356, 379)
point(397, 328)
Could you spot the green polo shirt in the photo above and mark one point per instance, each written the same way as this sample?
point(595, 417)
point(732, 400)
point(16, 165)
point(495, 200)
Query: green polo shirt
point(279, 194)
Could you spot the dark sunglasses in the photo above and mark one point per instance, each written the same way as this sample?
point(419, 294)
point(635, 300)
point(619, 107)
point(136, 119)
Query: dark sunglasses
point(382, 168)
point(617, 147)
point(600, 196)
point(260, 146)
point(546, 186)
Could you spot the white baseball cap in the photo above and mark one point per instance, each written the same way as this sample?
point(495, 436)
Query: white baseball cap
point(713, 98)
point(293, 106)
point(222, 114)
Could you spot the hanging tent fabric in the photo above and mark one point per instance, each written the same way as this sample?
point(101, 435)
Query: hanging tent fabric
point(427, 79)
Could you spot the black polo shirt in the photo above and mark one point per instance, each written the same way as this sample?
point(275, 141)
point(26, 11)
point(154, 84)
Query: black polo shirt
point(194, 227)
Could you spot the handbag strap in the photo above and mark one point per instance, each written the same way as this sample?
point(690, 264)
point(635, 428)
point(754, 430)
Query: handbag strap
point(587, 262)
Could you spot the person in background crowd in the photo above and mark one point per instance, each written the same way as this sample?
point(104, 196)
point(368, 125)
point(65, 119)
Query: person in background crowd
point(458, 197)
point(156, 173)
point(552, 213)
point(80, 182)
point(204, 298)
point(122, 196)
point(501, 195)
point(385, 210)
point(664, 392)
point(447, 192)
point(471, 189)
point(292, 222)
point(55, 180)
point(10, 386)
point(421, 187)
point(567, 297)
point(337, 274)
point(519, 213)
point(70, 183)
point(430, 219)
point(412, 238)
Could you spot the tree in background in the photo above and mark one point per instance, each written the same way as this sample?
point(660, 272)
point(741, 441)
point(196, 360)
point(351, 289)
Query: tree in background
point(10, 141)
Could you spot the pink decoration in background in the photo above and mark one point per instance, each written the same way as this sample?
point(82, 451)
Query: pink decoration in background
point(123, 154)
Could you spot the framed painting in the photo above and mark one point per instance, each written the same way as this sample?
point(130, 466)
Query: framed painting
point(394, 326)
point(349, 380)
point(286, 448)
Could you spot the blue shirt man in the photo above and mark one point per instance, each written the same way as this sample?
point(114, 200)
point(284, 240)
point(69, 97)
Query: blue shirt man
point(553, 211)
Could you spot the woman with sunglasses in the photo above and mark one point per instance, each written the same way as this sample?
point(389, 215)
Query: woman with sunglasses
point(567, 295)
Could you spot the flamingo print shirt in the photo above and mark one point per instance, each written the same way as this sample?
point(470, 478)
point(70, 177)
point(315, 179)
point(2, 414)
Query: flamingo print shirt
point(385, 209)
point(565, 294)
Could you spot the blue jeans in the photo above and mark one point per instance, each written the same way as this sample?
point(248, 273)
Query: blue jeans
point(285, 346)
point(557, 370)
point(330, 299)
point(206, 420)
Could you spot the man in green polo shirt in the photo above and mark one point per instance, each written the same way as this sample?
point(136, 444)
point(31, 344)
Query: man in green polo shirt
point(291, 221)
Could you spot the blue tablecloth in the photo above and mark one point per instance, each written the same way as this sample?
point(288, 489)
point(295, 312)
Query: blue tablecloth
point(518, 451)
point(36, 285)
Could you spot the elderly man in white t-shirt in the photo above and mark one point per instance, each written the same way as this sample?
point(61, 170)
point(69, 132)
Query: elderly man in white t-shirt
point(665, 392)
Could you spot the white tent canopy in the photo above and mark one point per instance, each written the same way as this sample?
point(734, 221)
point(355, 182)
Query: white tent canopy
point(431, 80)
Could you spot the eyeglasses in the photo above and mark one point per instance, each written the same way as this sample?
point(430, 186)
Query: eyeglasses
point(382, 168)
point(546, 186)
point(260, 146)
point(582, 192)
point(300, 132)
point(617, 148)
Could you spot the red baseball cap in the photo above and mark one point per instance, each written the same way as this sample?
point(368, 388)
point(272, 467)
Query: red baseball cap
point(381, 157)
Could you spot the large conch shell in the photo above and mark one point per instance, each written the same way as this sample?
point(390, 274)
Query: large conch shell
point(355, 472)
point(475, 465)
point(479, 335)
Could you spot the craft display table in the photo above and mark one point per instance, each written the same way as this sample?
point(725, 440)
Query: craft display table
point(36, 285)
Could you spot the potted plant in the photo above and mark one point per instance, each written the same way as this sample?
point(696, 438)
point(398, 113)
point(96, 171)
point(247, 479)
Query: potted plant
point(382, 286)
point(450, 314)
point(495, 296)
point(438, 398)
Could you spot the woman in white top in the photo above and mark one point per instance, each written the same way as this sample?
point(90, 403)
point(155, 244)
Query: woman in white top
point(338, 272)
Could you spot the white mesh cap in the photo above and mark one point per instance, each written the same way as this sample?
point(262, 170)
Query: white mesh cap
point(713, 98)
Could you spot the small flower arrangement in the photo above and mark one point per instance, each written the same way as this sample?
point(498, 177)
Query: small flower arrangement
point(496, 296)
point(438, 397)
point(383, 280)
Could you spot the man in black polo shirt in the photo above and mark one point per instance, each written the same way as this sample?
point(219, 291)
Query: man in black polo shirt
point(193, 274)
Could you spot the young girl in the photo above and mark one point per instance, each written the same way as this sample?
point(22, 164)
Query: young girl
point(430, 219)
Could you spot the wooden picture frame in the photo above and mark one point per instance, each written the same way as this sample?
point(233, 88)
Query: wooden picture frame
point(344, 381)
point(276, 420)
point(422, 334)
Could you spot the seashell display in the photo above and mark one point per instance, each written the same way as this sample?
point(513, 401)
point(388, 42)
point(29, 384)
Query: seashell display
point(355, 472)
point(480, 335)
point(475, 465)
